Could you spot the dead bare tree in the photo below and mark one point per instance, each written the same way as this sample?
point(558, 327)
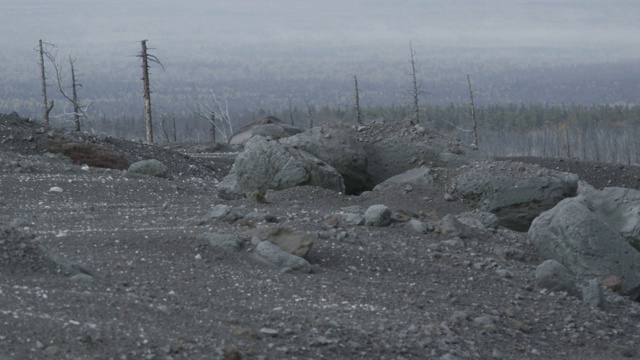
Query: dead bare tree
point(146, 57)
point(216, 112)
point(80, 109)
point(47, 106)
point(358, 113)
point(310, 111)
point(74, 87)
point(473, 112)
point(290, 110)
point(416, 87)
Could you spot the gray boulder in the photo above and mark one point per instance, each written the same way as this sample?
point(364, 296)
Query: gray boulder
point(265, 165)
point(222, 241)
point(577, 236)
point(339, 149)
point(150, 167)
point(617, 207)
point(377, 215)
point(275, 255)
point(554, 276)
point(515, 193)
point(292, 242)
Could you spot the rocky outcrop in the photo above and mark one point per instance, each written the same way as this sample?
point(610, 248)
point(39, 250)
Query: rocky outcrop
point(150, 167)
point(265, 165)
point(269, 127)
point(339, 149)
point(576, 234)
point(516, 193)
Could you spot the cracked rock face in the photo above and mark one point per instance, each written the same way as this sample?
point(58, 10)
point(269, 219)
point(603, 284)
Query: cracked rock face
point(516, 193)
point(585, 235)
point(269, 165)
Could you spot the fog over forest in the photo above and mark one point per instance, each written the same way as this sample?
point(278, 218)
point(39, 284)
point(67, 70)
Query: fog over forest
point(262, 54)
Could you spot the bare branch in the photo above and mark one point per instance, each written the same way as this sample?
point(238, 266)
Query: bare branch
point(216, 112)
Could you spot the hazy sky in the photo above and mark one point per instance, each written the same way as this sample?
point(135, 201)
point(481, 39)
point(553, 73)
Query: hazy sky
point(187, 24)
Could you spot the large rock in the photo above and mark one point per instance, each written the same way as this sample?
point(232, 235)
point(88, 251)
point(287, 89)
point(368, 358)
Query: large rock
point(268, 127)
point(150, 167)
point(290, 241)
point(275, 255)
point(516, 193)
point(341, 150)
point(617, 207)
point(265, 165)
point(395, 148)
point(554, 276)
point(377, 215)
point(577, 236)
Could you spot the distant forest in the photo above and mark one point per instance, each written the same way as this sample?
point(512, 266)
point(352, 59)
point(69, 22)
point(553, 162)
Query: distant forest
point(525, 106)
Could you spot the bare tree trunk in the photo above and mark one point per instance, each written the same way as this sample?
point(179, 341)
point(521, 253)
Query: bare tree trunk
point(175, 135)
point(147, 91)
point(47, 106)
point(416, 93)
point(76, 107)
point(473, 112)
point(213, 127)
point(310, 113)
point(566, 134)
point(358, 114)
point(290, 111)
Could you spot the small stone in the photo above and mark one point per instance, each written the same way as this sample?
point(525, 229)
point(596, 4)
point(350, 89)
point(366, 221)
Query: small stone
point(523, 327)
point(51, 350)
point(269, 332)
point(56, 189)
point(592, 294)
point(504, 273)
point(247, 333)
point(231, 353)
point(449, 197)
point(613, 283)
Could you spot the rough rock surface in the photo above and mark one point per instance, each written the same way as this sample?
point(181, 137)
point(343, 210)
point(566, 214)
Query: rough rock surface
point(577, 237)
point(150, 167)
point(162, 291)
point(269, 165)
point(515, 192)
point(341, 150)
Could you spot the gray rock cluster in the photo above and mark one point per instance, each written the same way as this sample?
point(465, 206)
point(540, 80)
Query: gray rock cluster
point(516, 193)
point(332, 158)
point(592, 235)
point(587, 233)
point(273, 244)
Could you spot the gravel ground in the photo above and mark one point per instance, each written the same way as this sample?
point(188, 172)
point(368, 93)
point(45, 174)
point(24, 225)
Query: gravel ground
point(160, 292)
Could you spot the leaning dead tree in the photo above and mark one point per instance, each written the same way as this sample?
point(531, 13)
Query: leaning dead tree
point(473, 112)
point(146, 57)
point(216, 112)
point(47, 106)
point(415, 86)
point(358, 113)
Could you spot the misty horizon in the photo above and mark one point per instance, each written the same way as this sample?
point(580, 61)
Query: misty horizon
point(231, 44)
